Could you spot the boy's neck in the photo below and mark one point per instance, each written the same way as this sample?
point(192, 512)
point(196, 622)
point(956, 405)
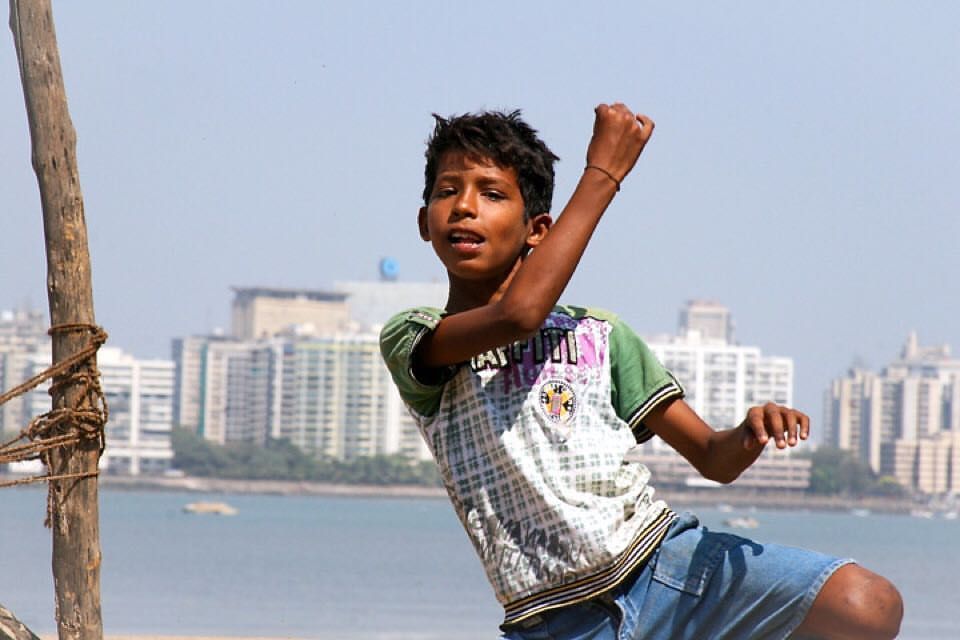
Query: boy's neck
point(464, 295)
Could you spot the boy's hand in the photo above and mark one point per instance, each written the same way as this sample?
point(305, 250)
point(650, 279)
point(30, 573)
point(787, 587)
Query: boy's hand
point(619, 135)
point(785, 425)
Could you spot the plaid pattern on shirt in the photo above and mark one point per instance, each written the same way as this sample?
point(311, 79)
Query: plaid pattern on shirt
point(530, 440)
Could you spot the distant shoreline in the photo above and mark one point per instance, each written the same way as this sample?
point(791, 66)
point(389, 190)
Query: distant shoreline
point(193, 484)
point(678, 498)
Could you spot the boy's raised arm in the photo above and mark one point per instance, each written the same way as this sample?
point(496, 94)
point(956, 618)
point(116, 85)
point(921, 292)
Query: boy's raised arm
point(533, 288)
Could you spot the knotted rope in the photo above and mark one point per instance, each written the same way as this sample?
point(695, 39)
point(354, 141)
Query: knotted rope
point(62, 426)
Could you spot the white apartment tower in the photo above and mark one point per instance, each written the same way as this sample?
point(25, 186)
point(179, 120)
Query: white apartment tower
point(861, 412)
point(139, 394)
point(721, 379)
point(22, 333)
point(336, 398)
point(224, 388)
point(902, 421)
point(303, 365)
point(329, 395)
point(188, 356)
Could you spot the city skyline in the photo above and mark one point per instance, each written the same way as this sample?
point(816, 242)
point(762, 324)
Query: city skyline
point(802, 170)
point(305, 366)
point(904, 420)
point(660, 340)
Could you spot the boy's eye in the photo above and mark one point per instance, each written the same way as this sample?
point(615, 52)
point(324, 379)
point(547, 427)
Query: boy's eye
point(494, 195)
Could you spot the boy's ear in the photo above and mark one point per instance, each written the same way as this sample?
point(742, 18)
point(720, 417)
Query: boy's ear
point(422, 223)
point(539, 226)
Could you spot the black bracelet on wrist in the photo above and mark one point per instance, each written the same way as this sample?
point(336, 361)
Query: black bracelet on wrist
point(604, 172)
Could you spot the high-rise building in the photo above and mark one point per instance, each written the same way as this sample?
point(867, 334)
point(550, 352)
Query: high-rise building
point(25, 329)
point(329, 395)
point(22, 332)
point(930, 464)
point(224, 387)
point(309, 370)
point(710, 319)
point(861, 412)
point(188, 356)
point(721, 381)
point(263, 312)
point(336, 398)
point(894, 420)
point(139, 394)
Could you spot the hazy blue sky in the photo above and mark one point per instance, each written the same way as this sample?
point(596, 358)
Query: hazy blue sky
point(804, 169)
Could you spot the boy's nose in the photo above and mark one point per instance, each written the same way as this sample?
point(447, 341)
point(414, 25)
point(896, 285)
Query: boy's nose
point(465, 206)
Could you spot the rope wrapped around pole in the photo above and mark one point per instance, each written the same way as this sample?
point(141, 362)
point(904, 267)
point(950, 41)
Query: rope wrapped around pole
point(85, 420)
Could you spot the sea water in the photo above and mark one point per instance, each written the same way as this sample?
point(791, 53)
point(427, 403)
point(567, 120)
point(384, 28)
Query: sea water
point(364, 568)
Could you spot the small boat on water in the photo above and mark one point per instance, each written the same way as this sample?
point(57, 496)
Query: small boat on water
point(215, 508)
point(740, 522)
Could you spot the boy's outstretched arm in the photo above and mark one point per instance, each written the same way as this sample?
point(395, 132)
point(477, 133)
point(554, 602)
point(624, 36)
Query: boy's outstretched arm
point(723, 455)
point(619, 137)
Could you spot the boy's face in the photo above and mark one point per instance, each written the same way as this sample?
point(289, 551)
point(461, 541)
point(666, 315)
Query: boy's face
point(475, 219)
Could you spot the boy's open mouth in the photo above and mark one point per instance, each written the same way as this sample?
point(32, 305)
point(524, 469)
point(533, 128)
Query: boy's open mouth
point(465, 239)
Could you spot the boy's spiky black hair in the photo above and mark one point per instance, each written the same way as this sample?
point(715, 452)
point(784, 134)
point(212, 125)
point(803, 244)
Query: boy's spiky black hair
point(503, 138)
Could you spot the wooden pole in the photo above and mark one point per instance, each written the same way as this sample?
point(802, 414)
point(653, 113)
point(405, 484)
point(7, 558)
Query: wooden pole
point(74, 510)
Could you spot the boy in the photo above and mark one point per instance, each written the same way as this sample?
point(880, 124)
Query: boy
point(529, 410)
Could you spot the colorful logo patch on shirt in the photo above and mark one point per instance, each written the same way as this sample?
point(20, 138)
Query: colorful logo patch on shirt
point(558, 402)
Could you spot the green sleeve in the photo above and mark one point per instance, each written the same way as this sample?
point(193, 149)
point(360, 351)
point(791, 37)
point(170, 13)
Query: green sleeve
point(640, 382)
point(398, 341)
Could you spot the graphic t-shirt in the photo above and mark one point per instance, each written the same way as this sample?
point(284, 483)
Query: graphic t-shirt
point(531, 441)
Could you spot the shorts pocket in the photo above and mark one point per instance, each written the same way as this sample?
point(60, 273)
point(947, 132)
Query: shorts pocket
point(687, 561)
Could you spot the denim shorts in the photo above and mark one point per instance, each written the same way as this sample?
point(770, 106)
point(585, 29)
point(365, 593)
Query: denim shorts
point(698, 585)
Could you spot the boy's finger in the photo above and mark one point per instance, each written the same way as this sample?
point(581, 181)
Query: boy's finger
point(774, 423)
point(798, 425)
point(804, 425)
point(646, 126)
point(755, 423)
point(791, 425)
